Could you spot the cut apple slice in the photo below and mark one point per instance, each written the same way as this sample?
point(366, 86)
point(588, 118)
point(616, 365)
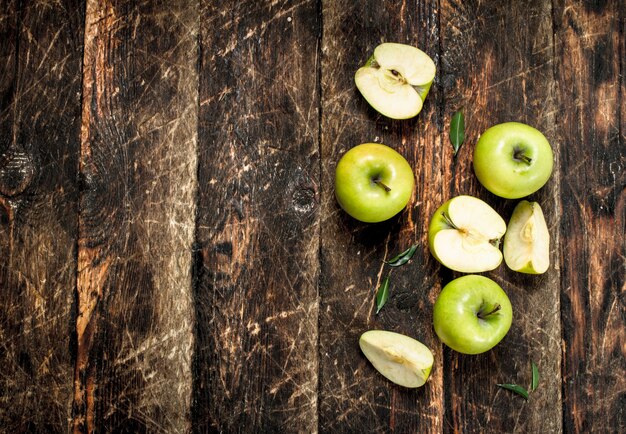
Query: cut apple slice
point(464, 235)
point(401, 359)
point(396, 80)
point(527, 240)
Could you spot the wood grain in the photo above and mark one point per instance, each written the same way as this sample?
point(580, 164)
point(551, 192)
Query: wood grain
point(40, 64)
point(9, 22)
point(138, 175)
point(255, 293)
point(591, 119)
point(353, 396)
point(497, 62)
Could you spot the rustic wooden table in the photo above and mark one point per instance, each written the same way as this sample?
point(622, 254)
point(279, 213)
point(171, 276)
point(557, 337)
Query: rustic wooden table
point(172, 255)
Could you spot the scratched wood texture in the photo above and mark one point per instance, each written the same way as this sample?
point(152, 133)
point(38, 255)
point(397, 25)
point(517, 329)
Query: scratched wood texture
point(590, 72)
point(136, 226)
point(255, 291)
point(172, 255)
point(40, 88)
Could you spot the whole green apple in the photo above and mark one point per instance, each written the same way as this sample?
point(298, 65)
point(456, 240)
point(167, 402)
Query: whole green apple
point(472, 314)
point(373, 182)
point(513, 160)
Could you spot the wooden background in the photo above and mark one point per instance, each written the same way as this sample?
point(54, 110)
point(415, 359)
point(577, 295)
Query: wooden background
point(172, 255)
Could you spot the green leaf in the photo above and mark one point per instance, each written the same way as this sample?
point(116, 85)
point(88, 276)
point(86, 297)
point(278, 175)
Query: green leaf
point(383, 294)
point(457, 130)
point(515, 388)
point(403, 257)
point(535, 380)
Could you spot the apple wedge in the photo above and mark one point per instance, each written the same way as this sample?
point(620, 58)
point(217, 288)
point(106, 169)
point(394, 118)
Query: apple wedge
point(464, 235)
point(401, 359)
point(396, 80)
point(527, 240)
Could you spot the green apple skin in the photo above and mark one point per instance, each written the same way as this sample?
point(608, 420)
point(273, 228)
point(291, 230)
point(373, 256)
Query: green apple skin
point(455, 316)
point(423, 90)
point(437, 223)
point(498, 165)
point(357, 191)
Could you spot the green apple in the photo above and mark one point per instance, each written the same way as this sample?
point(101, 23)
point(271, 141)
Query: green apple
point(373, 182)
point(513, 160)
point(396, 80)
point(472, 314)
point(401, 359)
point(464, 235)
point(527, 240)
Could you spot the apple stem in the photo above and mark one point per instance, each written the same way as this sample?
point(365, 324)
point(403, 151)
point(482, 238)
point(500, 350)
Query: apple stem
point(448, 220)
point(482, 314)
point(519, 155)
point(381, 184)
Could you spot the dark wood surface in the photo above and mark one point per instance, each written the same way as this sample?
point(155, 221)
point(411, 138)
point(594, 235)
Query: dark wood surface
point(172, 255)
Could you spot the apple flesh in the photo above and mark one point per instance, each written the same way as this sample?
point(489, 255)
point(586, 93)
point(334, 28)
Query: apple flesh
point(472, 314)
point(396, 80)
point(401, 359)
point(527, 240)
point(464, 235)
point(373, 182)
point(513, 160)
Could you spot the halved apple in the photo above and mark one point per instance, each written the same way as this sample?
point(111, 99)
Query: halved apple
point(464, 235)
point(396, 80)
point(527, 240)
point(401, 359)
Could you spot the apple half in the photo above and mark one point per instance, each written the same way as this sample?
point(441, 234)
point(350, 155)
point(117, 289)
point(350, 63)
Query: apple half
point(464, 235)
point(401, 359)
point(527, 240)
point(396, 80)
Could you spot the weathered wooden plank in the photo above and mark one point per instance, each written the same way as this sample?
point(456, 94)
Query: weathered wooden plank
point(497, 62)
point(255, 362)
point(590, 46)
point(138, 170)
point(40, 64)
point(353, 396)
point(8, 65)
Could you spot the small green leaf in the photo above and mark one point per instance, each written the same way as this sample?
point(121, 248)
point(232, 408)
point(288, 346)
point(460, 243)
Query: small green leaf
point(535, 380)
point(515, 388)
point(383, 294)
point(457, 130)
point(403, 257)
